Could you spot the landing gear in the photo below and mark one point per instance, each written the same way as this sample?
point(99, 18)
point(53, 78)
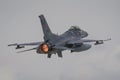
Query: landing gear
point(49, 55)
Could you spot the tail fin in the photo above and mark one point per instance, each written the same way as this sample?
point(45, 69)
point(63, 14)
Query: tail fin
point(46, 30)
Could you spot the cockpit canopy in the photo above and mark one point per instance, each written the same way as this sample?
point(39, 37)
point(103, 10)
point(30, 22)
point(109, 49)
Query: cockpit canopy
point(75, 28)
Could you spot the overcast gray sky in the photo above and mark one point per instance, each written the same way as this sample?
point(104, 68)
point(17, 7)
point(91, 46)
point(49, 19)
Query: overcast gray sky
point(19, 23)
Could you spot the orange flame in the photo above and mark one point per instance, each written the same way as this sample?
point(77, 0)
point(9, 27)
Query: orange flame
point(44, 48)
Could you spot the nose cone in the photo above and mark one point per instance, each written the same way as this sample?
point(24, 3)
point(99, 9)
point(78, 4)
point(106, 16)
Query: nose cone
point(84, 34)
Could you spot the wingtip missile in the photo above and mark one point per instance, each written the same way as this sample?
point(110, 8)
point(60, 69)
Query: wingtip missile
point(15, 44)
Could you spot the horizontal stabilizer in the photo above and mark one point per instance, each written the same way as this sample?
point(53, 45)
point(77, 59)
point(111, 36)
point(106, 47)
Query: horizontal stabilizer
point(27, 50)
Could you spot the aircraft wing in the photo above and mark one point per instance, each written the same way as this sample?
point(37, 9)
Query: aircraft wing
point(18, 46)
point(87, 40)
point(26, 44)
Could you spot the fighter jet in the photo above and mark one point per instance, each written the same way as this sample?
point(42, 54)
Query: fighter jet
point(73, 39)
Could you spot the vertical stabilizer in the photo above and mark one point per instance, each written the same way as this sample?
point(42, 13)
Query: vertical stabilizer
point(46, 30)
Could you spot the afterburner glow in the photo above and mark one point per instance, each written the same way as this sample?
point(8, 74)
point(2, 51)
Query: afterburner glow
point(44, 48)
